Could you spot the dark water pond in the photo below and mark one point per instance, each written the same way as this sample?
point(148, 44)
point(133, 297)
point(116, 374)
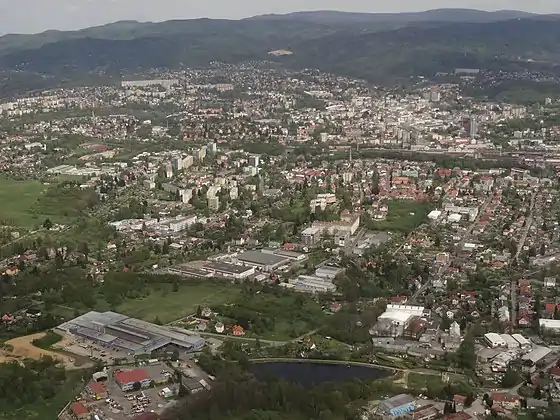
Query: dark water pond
point(308, 374)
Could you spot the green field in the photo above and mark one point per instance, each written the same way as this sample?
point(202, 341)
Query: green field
point(420, 381)
point(18, 199)
point(403, 216)
point(168, 306)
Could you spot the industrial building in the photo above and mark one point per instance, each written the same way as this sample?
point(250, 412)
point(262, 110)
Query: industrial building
point(320, 282)
point(494, 340)
point(524, 343)
point(396, 319)
point(127, 378)
point(397, 405)
point(134, 336)
point(222, 269)
point(261, 260)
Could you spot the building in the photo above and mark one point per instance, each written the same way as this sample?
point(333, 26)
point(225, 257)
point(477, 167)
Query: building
point(222, 269)
point(181, 223)
point(130, 335)
point(148, 415)
point(261, 260)
point(524, 343)
point(97, 389)
point(167, 84)
point(254, 160)
point(511, 343)
point(536, 355)
point(127, 380)
point(397, 405)
point(552, 325)
point(79, 410)
point(494, 340)
point(396, 318)
point(348, 223)
point(214, 203)
point(310, 236)
point(426, 412)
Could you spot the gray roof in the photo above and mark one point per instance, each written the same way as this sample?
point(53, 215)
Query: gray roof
point(396, 401)
point(261, 258)
point(225, 267)
point(128, 333)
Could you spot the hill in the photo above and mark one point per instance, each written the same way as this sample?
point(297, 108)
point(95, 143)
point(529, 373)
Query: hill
point(377, 49)
point(436, 15)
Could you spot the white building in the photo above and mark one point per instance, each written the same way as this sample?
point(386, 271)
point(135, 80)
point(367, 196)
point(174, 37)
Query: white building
point(494, 340)
point(550, 324)
point(524, 343)
point(511, 343)
point(181, 223)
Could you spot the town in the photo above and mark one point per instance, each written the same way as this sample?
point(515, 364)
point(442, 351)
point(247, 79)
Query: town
point(157, 232)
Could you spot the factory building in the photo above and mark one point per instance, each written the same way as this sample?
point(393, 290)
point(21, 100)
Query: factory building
point(131, 335)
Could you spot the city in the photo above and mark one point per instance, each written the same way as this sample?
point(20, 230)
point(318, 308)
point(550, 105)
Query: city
point(176, 239)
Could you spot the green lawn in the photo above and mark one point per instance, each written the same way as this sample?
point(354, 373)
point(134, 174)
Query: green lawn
point(404, 216)
point(419, 381)
point(168, 306)
point(18, 199)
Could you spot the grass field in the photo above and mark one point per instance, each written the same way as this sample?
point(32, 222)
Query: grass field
point(168, 306)
point(18, 199)
point(419, 381)
point(403, 216)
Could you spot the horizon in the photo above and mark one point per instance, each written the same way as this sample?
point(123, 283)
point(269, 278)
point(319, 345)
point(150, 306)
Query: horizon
point(68, 17)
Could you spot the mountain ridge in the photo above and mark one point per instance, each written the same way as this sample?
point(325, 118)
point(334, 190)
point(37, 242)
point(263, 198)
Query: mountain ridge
point(379, 51)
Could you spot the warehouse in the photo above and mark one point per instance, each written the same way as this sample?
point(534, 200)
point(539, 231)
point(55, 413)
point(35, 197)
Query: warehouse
point(262, 261)
point(511, 343)
point(128, 378)
point(133, 336)
point(396, 319)
point(222, 269)
point(524, 343)
point(397, 405)
point(494, 340)
point(536, 355)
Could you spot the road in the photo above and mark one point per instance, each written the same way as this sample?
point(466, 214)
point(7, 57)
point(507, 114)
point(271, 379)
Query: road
point(513, 283)
point(254, 339)
point(457, 250)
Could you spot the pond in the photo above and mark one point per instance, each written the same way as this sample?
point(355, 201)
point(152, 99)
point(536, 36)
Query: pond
point(308, 373)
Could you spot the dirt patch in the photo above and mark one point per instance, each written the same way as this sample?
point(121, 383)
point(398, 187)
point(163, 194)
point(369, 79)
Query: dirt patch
point(23, 348)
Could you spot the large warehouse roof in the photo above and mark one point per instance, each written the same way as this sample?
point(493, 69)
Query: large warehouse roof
point(261, 258)
point(128, 333)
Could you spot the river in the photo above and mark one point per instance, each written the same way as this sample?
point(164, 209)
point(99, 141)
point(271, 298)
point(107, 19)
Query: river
point(308, 374)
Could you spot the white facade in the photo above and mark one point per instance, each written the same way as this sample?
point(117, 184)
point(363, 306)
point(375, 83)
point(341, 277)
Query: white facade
point(511, 343)
point(494, 340)
point(524, 343)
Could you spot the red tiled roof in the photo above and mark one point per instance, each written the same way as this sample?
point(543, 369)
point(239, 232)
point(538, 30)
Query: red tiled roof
point(459, 399)
point(79, 409)
point(131, 376)
point(504, 397)
point(461, 415)
point(97, 387)
point(147, 416)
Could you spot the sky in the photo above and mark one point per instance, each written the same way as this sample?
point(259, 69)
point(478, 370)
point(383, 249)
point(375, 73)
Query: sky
point(33, 16)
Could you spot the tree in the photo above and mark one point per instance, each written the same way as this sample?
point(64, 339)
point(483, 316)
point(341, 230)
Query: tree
point(511, 378)
point(47, 224)
point(466, 354)
point(136, 386)
point(175, 286)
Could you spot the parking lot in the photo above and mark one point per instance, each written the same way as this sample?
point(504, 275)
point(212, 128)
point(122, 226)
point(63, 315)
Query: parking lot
point(120, 404)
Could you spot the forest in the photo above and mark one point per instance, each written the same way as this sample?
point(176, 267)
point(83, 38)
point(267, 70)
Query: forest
point(22, 385)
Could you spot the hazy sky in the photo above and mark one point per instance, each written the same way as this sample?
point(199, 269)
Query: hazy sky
point(31, 16)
